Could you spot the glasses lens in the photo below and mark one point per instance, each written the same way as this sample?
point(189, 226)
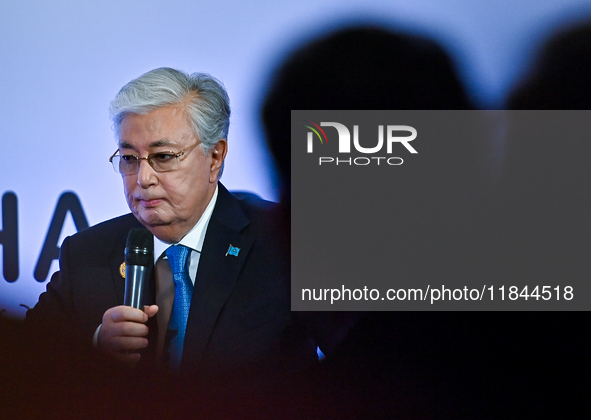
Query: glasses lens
point(115, 163)
point(126, 164)
point(164, 162)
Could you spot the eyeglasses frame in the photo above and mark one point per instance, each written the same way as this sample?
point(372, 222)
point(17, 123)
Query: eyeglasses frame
point(151, 155)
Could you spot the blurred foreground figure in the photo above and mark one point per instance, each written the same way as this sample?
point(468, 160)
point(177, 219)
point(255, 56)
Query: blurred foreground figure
point(547, 175)
point(543, 230)
point(397, 364)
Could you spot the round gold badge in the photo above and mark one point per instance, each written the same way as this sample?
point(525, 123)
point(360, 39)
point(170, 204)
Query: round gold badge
point(122, 270)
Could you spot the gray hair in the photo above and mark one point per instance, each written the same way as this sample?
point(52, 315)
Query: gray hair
point(203, 96)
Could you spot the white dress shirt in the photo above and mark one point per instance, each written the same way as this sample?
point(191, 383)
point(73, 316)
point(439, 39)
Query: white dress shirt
point(193, 240)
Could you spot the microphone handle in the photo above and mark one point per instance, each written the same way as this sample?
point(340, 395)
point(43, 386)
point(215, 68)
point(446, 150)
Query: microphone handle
point(135, 276)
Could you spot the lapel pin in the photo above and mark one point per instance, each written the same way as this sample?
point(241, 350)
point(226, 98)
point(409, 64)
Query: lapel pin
point(122, 269)
point(232, 250)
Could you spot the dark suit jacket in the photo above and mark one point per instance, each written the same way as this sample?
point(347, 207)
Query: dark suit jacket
point(240, 313)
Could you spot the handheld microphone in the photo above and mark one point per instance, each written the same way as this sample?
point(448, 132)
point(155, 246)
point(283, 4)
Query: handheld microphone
point(139, 258)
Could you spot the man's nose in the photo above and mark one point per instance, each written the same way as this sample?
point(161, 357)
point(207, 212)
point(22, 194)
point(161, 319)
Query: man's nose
point(146, 175)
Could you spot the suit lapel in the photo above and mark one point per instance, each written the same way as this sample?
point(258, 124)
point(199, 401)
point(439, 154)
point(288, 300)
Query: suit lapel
point(216, 276)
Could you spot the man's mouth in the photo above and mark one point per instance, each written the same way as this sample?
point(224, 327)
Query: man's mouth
point(148, 203)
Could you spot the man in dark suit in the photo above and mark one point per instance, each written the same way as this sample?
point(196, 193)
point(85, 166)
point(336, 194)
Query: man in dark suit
point(172, 129)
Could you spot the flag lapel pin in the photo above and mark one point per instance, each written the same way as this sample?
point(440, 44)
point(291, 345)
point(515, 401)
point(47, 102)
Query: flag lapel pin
point(232, 250)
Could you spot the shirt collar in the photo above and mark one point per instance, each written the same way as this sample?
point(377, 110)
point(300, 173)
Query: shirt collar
point(194, 239)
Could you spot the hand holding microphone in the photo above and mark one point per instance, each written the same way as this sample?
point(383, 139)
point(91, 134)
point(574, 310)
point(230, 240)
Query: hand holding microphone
point(123, 330)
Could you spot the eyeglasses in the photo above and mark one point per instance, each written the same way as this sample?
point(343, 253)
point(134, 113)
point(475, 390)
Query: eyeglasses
point(160, 162)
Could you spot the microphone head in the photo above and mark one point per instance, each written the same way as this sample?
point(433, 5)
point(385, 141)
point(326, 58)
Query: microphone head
point(140, 248)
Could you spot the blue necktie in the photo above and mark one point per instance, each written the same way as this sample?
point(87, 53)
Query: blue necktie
point(183, 291)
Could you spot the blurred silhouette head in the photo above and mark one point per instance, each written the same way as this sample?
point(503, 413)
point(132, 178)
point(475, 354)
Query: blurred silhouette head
point(553, 165)
point(559, 79)
point(358, 68)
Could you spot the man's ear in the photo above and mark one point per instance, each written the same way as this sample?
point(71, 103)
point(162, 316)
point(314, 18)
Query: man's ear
point(218, 155)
